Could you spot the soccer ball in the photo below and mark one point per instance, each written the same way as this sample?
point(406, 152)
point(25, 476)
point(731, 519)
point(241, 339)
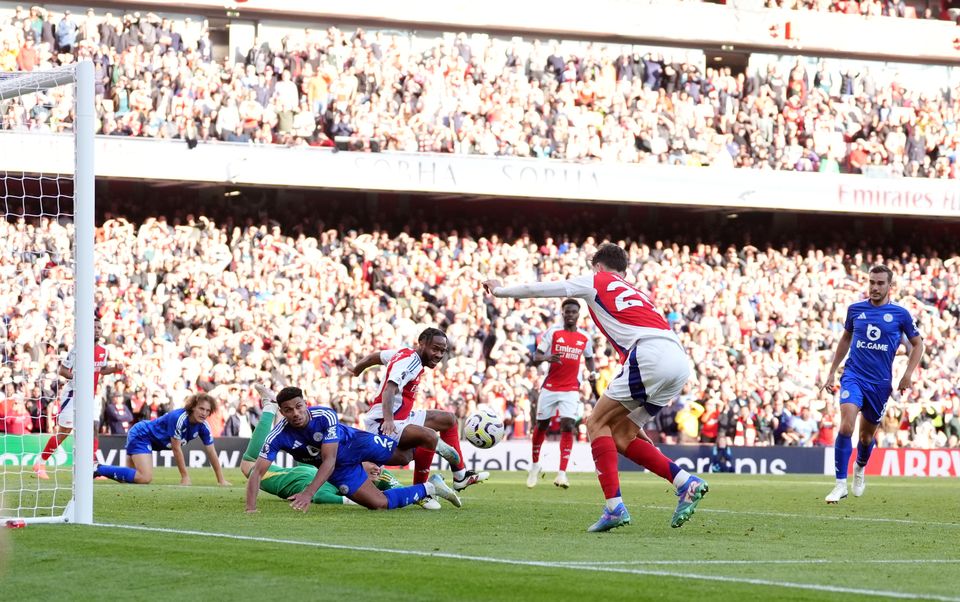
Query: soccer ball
point(484, 429)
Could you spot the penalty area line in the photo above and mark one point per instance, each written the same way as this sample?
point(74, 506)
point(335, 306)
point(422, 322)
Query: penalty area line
point(545, 564)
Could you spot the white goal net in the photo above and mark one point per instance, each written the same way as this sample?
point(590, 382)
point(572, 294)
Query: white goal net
point(46, 292)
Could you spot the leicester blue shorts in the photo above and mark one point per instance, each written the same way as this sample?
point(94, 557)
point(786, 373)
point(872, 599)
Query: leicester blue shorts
point(139, 440)
point(870, 398)
point(349, 474)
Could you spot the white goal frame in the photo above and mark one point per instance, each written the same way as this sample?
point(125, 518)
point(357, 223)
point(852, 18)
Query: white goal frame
point(80, 508)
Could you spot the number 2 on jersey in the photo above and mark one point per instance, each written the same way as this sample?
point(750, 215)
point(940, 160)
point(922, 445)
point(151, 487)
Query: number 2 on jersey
point(624, 300)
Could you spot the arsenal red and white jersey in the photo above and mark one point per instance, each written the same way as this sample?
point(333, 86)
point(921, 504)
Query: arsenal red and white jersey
point(570, 346)
point(99, 362)
point(622, 312)
point(404, 369)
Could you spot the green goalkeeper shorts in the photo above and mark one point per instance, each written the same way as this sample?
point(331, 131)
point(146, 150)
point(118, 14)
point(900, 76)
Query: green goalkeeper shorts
point(287, 482)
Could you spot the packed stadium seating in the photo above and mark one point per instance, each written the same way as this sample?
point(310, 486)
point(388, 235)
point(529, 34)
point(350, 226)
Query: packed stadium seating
point(478, 95)
point(222, 301)
point(942, 9)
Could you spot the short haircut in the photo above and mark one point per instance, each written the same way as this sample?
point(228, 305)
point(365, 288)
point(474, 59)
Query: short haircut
point(288, 393)
point(194, 400)
point(882, 269)
point(429, 333)
point(569, 301)
point(612, 256)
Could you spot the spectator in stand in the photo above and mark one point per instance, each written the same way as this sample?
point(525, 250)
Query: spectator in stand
point(582, 102)
point(805, 427)
point(119, 417)
point(189, 306)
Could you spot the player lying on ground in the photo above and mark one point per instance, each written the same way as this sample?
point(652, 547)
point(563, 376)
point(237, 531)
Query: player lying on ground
point(872, 333)
point(314, 435)
point(287, 482)
point(170, 431)
point(655, 368)
point(391, 411)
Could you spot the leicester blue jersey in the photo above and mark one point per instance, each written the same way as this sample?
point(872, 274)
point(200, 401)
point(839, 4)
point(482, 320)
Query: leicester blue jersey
point(876, 336)
point(304, 443)
point(176, 425)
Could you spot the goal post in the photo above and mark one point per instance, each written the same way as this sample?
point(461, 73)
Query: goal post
point(33, 199)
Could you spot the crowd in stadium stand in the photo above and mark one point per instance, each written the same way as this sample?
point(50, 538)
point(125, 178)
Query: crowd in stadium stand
point(585, 102)
point(195, 303)
point(923, 9)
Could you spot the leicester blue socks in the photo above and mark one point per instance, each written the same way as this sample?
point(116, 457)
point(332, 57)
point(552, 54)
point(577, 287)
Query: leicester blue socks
point(863, 453)
point(120, 474)
point(404, 496)
point(841, 455)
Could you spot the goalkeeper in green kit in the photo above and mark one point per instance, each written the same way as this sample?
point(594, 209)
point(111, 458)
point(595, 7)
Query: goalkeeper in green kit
point(286, 482)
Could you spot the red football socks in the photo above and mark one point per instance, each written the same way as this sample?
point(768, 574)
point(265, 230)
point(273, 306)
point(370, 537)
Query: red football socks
point(566, 445)
point(452, 438)
point(605, 459)
point(651, 458)
point(538, 437)
point(49, 448)
point(422, 460)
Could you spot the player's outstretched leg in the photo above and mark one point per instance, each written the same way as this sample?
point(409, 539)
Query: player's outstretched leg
point(40, 467)
point(140, 470)
point(604, 449)
point(440, 489)
point(633, 443)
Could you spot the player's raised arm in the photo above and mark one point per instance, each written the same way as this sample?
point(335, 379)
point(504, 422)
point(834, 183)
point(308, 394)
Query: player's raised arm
point(563, 288)
point(369, 361)
point(328, 461)
point(253, 483)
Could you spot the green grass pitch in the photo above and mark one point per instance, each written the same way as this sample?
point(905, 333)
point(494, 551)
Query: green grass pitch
point(753, 538)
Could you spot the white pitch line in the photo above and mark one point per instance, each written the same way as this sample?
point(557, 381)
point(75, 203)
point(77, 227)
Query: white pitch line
point(869, 519)
point(701, 510)
point(780, 561)
point(551, 564)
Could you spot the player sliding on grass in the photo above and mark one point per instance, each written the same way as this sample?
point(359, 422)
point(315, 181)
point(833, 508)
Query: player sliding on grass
point(391, 411)
point(313, 435)
point(170, 431)
point(872, 333)
point(655, 368)
point(287, 482)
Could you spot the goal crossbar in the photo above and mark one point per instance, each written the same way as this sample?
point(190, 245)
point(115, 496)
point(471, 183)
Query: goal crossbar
point(14, 84)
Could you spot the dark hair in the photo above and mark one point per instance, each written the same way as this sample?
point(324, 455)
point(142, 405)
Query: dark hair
point(882, 269)
point(569, 301)
point(288, 393)
point(612, 256)
point(429, 333)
